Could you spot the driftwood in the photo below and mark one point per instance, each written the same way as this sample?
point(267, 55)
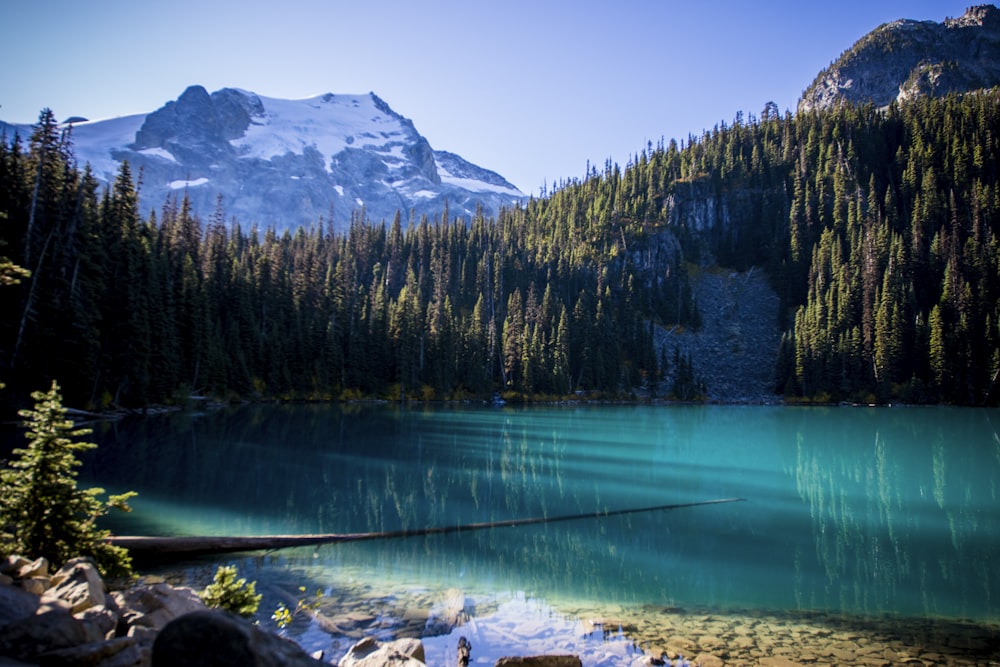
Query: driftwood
point(167, 548)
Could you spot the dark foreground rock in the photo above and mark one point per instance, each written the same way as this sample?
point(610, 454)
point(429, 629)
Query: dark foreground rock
point(214, 638)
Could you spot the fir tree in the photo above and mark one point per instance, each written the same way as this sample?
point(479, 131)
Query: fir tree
point(40, 505)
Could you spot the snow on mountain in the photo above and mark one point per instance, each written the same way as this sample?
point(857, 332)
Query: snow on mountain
point(286, 163)
point(91, 140)
point(329, 123)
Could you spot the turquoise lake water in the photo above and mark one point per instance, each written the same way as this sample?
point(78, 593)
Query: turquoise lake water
point(853, 510)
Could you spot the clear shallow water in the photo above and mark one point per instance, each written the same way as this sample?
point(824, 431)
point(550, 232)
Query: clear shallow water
point(855, 511)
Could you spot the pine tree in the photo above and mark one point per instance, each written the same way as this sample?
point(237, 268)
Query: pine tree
point(40, 503)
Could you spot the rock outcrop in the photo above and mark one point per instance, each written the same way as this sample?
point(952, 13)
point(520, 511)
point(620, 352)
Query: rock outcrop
point(905, 59)
point(69, 618)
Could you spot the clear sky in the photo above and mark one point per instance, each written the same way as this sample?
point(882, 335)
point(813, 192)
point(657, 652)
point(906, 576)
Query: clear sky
point(531, 89)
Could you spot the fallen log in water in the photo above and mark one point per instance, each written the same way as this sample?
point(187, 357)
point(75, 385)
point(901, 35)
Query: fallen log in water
point(167, 548)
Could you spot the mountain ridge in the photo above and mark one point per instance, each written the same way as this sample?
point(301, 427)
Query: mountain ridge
point(905, 59)
point(286, 163)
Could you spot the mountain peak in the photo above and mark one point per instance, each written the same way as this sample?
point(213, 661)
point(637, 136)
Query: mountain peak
point(381, 105)
point(977, 15)
point(284, 163)
point(905, 59)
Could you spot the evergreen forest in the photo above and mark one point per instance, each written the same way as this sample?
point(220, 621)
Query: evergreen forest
point(877, 228)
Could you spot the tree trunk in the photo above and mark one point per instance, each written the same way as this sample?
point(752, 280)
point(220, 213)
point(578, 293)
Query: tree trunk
point(173, 548)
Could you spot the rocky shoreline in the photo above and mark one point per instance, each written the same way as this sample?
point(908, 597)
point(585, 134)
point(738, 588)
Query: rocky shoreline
point(611, 635)
point(69, 618)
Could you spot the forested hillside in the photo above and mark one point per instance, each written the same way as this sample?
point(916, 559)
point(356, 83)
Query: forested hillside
point(127, 311)
point(893, 267)
point(877, 229)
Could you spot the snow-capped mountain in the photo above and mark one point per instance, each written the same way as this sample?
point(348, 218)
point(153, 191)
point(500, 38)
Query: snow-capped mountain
point(286, 163)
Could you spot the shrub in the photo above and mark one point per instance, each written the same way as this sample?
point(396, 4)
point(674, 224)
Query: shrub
point(232, 594)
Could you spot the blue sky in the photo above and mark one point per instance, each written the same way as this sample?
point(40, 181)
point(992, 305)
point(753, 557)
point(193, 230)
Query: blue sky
point(530, 89)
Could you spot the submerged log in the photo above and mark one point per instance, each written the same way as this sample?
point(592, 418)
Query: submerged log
point(170, 548)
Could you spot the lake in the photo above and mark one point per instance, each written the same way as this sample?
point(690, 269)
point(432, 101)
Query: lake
point(849, 512)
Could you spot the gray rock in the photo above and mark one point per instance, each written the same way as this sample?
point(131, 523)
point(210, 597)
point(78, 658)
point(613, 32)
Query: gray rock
point(370, 652)
point(16, 604)
point(11, 564)
point(35, 568)
point(77, 583)
point(122, 652)
point(49, 630)
point(104, 619)
point(155, 606)
point(216, 638)
point(33, 585)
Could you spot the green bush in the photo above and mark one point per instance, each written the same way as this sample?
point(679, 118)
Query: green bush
point(232, 594)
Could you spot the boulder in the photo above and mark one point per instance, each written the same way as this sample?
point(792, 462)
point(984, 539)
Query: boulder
point(78, 584)
point(11, 564)
point(36, 568)
point(104, 619)
point(370, 652)
point(16, 604)
point(155, 606)
point(33, 585)
point(214, 638)
point(51, 629)
point(121, 652)
point(541, 661)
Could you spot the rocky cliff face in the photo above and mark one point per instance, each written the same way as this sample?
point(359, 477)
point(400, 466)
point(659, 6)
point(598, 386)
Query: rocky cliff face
point(699, 206)
point(906, 59)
